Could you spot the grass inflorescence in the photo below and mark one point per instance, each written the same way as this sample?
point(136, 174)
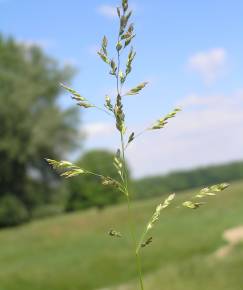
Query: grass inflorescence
point(114, 107)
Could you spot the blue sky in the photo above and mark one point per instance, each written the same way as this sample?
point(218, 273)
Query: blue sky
point(189, 51)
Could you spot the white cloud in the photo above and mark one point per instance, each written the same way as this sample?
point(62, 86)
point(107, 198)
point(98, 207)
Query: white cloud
point(210, 65)
point(98, 130)
point(209, 130)
point(109, 11)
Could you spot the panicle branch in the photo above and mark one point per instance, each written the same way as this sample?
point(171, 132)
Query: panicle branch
point(205, 192)
point(153, 220)
point(159, 124)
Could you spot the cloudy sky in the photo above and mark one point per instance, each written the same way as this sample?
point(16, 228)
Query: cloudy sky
point(189, 51)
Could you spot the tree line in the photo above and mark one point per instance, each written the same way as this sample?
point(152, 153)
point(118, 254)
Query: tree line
point(181, 180)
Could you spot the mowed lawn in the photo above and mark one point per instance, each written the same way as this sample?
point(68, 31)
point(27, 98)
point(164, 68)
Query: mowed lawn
point(74, 252)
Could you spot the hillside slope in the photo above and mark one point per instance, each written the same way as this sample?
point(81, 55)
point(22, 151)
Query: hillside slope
point(75, 252)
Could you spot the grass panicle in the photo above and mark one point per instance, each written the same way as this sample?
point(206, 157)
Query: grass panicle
point(114, 106)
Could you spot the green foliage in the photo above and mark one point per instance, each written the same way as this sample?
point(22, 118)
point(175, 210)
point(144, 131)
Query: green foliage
point(12, 211)
point(159, 185)
point(32, 123)
point(45, 211)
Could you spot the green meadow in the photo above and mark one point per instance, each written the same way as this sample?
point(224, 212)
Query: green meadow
point(75, 252)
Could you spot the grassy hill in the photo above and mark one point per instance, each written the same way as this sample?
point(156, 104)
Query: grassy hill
point(74, 252)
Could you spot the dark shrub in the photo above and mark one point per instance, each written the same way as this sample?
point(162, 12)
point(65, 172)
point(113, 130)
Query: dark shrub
point(12, 211)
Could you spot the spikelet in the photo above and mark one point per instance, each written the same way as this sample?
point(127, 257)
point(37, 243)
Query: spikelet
point(147, 242)
point(159, 208)
point(108, 181)
point(117, 162)
point(191, 204)
point(212, 190)
point(137, 89)
point(108, 104)
point(103, 51)
point(70, 169)
point(130, 59)
point(75, 95)
point(205, 192)
point(159, 124)
point(114, 233)
point(81, 101)
point(120, 116)
point(131, 138)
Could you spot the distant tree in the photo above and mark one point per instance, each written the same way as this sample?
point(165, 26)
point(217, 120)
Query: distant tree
point(156, 185)
point(12, 211)
point(88, 191)
point(32, 124)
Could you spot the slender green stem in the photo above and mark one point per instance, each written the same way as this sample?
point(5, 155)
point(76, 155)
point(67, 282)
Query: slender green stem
point(136, 136)
point(95, 174)
point(140, 242)
point(103, 110)
point(138, 260)
point(125, 178)
point(139, 271)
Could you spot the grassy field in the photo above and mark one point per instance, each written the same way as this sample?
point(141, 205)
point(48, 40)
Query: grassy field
point(74, 252)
